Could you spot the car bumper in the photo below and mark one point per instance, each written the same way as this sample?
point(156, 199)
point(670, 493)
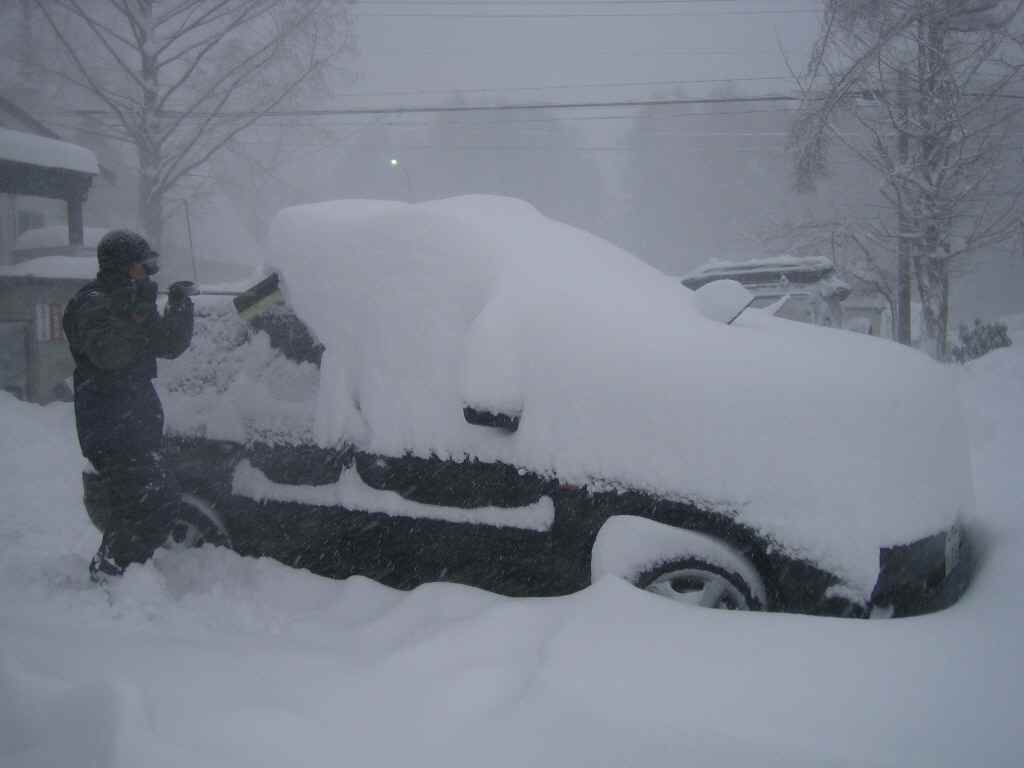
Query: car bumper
point(925, 576)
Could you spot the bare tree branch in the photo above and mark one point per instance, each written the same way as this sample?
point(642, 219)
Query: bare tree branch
point(250, 63)
point(80, 65)
point(247, 123)
point(182, 78)
point(101, 32)
point(928, 83)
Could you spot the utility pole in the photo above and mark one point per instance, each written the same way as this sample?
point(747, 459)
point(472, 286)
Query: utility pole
point(408, 181)
point(191, 248)
point(903, 242)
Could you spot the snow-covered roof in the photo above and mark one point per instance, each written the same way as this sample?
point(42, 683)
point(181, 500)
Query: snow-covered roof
point(53, 268)
point(832, 443)
point(774, 275)
point(21, 147)
point(56, 237)
point(768, 265)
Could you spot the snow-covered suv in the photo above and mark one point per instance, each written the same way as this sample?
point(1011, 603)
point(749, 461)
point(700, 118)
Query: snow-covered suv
point(465, 390)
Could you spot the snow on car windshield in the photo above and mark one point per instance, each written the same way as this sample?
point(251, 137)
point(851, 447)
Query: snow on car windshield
point(832, 443)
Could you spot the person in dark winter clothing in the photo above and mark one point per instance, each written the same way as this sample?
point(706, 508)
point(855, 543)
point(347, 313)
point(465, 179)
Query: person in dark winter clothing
point(116, 334)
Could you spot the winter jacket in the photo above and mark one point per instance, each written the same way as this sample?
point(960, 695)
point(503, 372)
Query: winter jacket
point(116, 334)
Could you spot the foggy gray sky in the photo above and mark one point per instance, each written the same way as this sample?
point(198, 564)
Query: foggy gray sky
point(421, 52)
point(437, 48)
point(431, 46)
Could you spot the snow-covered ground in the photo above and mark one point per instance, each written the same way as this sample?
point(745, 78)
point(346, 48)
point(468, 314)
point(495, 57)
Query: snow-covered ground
point(204, 658)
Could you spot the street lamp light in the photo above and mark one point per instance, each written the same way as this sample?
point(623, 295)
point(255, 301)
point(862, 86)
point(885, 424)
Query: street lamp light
point(408, 181)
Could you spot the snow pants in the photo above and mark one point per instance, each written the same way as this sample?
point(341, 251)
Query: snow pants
point(120, 429)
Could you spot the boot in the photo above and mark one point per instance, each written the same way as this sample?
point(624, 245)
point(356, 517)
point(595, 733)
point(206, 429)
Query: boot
point(102, 567)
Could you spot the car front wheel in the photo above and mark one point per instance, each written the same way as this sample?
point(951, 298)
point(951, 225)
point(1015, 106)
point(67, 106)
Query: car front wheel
point(693, 581)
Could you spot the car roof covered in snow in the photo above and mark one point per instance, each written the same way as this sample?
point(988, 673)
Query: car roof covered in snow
point(830, 442)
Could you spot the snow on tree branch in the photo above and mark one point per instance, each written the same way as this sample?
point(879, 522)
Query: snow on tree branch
point(933, 86)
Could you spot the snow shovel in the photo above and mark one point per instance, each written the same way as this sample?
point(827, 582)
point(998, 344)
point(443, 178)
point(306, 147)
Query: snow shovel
point(250, 302)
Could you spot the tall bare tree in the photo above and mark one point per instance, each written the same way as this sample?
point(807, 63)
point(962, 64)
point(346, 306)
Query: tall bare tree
point(179, 79)
point(927, 93)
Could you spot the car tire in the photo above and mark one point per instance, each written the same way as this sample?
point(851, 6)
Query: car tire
point(678, 563)
point(197, 524)
point(693, 581)
point(843, 608)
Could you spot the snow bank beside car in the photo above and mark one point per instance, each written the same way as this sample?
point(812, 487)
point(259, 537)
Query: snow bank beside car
point(833, 443)
point(991, 387)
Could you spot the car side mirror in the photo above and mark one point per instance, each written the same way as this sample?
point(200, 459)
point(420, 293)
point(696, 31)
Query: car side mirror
point(507, 422)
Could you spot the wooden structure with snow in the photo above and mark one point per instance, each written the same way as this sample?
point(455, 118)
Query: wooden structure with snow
point(40, 166)
point(34, 357)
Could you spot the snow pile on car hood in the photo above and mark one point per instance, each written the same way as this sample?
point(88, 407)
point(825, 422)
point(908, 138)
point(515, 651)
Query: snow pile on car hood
point(831, 443)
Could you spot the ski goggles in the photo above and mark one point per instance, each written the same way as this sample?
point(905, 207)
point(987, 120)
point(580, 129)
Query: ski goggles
point(151, 263)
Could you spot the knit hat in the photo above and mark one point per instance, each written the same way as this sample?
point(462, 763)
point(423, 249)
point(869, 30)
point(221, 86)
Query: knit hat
point(121, 247)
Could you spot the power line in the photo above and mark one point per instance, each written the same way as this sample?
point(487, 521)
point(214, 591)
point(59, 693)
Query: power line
point(371, 3)
point(585, 7)
point(522, 107)
point(453, 108)
point(620, 103)
point(471, 124)
point(399, 148)
point(568, 86)
point(590, 51)
point(774, 135)
point(582, 13)
point(553, 119)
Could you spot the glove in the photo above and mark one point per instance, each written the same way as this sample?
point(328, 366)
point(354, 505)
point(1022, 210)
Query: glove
point(135, 299)
point(128, 314)
point(145, 293)
point(179, 292)
point(122, 299)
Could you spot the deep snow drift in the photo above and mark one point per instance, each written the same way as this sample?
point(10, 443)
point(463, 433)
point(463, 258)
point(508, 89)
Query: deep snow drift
point(207, 659)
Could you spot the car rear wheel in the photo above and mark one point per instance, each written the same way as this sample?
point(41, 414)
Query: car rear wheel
point(692, 581)
point(197, 524)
